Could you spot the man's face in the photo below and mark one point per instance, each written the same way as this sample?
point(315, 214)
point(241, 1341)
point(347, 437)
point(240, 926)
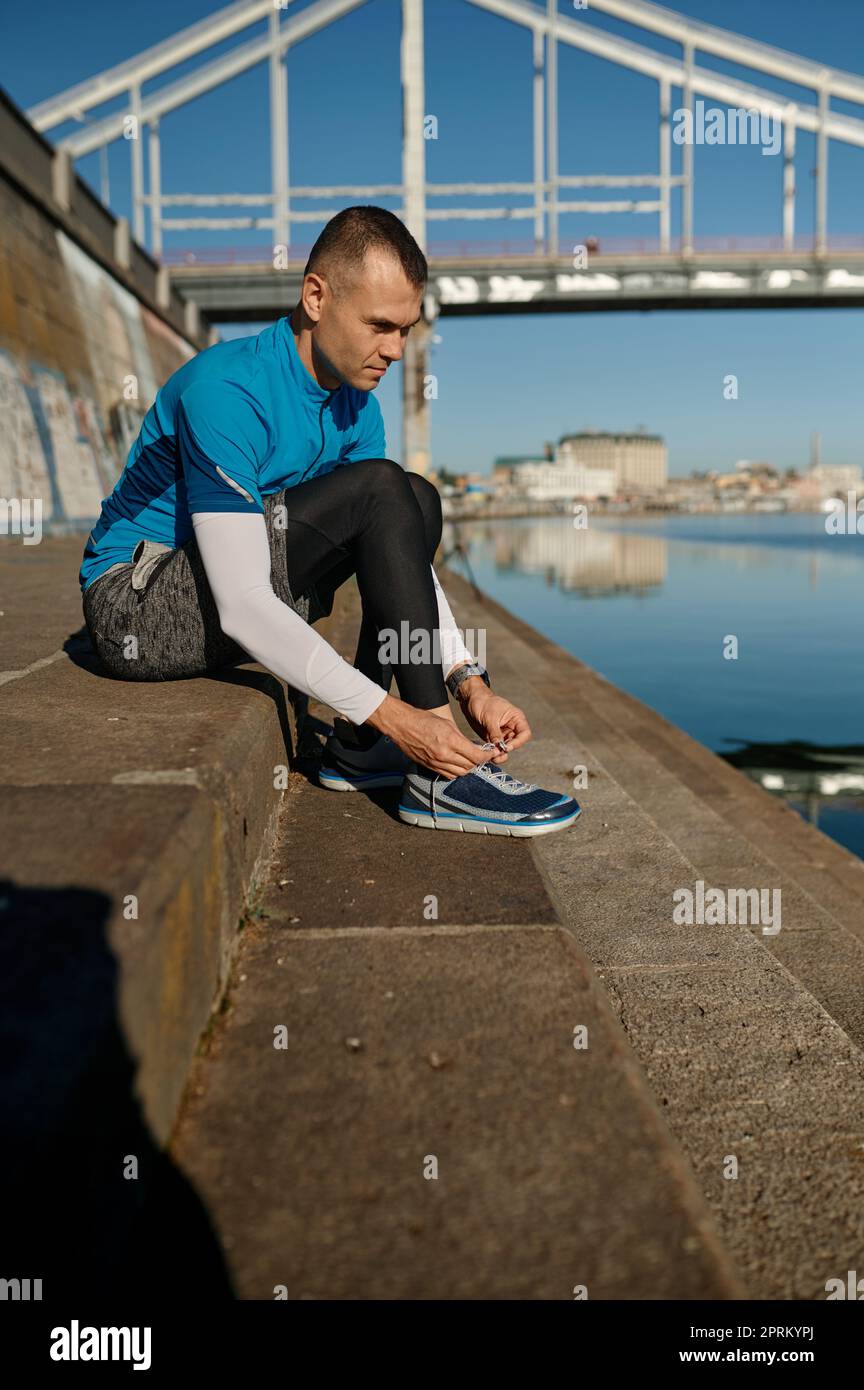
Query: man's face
point(360, 334)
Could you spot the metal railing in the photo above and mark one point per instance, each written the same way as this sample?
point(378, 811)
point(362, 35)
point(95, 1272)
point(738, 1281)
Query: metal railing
point(612, 247)
point(548, 27)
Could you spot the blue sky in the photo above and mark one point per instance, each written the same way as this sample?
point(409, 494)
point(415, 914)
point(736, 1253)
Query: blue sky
point(506, 385)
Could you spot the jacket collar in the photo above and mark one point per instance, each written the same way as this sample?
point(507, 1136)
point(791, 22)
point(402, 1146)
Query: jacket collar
point(302, 377)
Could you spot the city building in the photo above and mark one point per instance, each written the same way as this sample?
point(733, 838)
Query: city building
point(637, 461)
point(828, 480)
point(505, 472)
point(537, 478)
point(837, 477)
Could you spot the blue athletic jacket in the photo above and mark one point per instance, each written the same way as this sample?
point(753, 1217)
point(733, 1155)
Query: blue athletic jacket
point(240, 420)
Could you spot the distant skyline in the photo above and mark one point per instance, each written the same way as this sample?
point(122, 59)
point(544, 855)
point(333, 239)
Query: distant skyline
point(507, 386)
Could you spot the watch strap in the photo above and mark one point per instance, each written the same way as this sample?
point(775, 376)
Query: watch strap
point(462, 673)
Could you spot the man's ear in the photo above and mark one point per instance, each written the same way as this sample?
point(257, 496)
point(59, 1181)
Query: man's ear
point(312, 297)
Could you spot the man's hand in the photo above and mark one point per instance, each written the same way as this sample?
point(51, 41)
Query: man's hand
point(428, 738)
point(492, 716)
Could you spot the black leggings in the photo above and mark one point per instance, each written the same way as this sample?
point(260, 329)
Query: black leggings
point(369, 518)
point(377, 521)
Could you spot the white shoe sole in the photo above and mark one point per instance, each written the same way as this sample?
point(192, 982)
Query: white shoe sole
point(334, 783)
point(427, 822)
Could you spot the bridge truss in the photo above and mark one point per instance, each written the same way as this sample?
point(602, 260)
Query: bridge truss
point(547, 195)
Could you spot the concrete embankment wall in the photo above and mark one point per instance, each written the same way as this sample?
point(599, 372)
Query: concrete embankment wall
point(89, 330)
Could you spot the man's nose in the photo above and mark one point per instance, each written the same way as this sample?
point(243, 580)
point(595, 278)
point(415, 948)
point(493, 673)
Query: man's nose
point(393, 347)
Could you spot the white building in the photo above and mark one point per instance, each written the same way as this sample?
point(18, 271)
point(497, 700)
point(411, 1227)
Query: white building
point(836, 477)
point(544, 480)
point(638, 461)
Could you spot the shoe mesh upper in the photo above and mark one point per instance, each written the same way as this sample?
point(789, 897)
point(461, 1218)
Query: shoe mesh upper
point(476, 792)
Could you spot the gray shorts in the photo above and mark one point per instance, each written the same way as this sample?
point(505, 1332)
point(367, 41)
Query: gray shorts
point(154, 617)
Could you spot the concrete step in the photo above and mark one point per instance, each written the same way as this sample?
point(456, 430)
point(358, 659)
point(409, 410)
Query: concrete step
point(767, 830)
point(733, 833)
point(134, 819)
point(744, 1059)
point(428, 1129)
point(159, 800)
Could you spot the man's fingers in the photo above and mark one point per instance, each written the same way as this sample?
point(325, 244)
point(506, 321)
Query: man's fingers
point(516, 728)
point(464, 756)
point(456, 769)
point(457, 754)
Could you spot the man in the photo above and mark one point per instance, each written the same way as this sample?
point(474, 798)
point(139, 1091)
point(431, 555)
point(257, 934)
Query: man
point(237, 516)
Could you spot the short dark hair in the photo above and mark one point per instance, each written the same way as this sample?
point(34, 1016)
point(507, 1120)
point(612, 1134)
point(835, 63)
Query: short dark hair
point(340, 251)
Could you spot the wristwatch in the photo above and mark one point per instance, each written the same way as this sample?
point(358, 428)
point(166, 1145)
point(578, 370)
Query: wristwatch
point(472, 668)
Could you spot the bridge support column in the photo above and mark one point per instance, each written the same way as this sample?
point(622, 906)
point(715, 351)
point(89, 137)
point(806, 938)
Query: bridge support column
point(104, 178)
point(539, 198)
point(278, 135)
point(413, 135)
point(137, 154)
point(822, 173)
point(665, 164)
point(552, 125)
point(416, 434)
point(415, 407)
point(687, 152)
point(789, 133)
point(155, 189)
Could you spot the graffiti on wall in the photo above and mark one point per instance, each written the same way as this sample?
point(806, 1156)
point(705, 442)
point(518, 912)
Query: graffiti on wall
point(53, 443)
point(65, 435)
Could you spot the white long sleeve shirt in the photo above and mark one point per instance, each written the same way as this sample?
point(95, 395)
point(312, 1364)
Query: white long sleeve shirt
point(235, 552)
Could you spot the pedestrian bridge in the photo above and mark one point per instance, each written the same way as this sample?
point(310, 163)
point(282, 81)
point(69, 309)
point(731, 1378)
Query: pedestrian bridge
point(244, 285)
point(552, 270)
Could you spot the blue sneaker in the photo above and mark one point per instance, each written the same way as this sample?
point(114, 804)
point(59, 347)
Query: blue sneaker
point(486, 800)
point(347, 767)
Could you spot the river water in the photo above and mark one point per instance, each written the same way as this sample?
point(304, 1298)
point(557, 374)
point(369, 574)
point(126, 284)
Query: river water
point(652, 604)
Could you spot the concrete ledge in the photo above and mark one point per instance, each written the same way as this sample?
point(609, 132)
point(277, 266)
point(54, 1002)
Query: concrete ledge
point(137, 819)
point(553, 1167)
point(410, 1039)
point(135, 822)
point(751, 1043)
point(164, 793)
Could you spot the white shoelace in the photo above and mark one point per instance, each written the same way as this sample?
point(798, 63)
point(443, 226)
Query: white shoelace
point(498, 773)
point(503, 778)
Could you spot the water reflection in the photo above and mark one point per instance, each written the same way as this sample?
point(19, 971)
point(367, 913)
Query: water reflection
point(790, 596)
point(590, 562)
point(809, 777)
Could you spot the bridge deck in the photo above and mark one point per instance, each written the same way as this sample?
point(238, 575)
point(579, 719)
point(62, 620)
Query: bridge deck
point(745, 278)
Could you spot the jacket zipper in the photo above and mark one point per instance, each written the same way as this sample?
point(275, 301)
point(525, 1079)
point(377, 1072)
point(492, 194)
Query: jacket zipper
point(321, 450)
